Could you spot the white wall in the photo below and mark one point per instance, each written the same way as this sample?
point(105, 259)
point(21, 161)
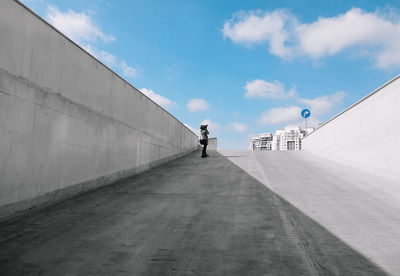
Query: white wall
point(366, 135)
point(67, 122)
point(212, 143)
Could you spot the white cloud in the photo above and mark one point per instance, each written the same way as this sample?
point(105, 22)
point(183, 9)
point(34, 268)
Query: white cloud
point(376, 34)
point(238, 127)
point(197, 105)
point(81, 28)
point(256, 27)
point(112, 61)
point(292, 115)
point(272, 90)
point(162, 101)
point(105, 57)
point(322, 105)
point(328, 36)
point(280, 115)
point(129, 71)
point(212, 126)
point(77, 26)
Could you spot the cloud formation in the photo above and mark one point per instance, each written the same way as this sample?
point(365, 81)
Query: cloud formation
point(104, 56)
point(238, 127)
point(162, 101)
point(129, 71)
point(269, 90)
point(292, 115)
point(377, 34)
point(195, 105)
point(323, 104)
point(77, 26)
point(279, 115)
point(257, 27)
point(82, 29)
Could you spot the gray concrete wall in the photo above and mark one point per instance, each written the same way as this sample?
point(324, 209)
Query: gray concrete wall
point(212, 143)
point(67, 122)
point(366, 135)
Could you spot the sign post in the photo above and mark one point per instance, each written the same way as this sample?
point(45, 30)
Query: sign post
point(305, 113)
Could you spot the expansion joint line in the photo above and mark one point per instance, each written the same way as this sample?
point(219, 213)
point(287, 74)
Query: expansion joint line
point(289, 228)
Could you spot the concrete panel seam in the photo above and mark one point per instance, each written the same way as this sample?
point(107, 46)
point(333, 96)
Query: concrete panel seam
point(19, 134)
point(21, 207)
point(288, 226)
point(153, 144)
point(101, 63)
point(47, 91)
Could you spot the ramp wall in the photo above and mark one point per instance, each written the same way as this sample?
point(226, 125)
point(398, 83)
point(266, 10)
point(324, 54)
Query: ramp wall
point(68, 123)
point(366, 135)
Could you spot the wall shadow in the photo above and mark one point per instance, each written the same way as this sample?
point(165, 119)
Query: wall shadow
point(191, 216)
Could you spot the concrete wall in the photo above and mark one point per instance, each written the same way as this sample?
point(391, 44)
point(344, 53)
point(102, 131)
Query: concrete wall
point(212, 143)
point(67, 122)
point(366, 135)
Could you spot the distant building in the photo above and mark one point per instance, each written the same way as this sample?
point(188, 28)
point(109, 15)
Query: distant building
point(263, 141)
point(290, 138)
point(212, 143)
point(283, 139)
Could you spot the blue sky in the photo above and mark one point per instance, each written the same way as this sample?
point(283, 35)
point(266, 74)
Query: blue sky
point(245, 67)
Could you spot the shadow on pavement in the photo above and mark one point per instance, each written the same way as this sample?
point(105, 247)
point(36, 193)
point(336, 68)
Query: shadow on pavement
point(191, 216)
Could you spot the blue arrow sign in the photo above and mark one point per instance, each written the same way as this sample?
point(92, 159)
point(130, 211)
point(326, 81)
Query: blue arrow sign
point(305, 113)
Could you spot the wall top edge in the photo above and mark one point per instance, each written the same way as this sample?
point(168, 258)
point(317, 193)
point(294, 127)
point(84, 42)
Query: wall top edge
point(101, 63)
point(355, 104)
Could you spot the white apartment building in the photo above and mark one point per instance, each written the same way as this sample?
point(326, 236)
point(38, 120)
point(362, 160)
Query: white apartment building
point(263, 141)
point(283, 139)
point(290, 138)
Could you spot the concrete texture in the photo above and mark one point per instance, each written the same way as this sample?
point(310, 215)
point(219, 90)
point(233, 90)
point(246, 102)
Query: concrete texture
point(241, 213)
point(67, 122)
point(359, 209)
point(212, 143)
point(366, 135)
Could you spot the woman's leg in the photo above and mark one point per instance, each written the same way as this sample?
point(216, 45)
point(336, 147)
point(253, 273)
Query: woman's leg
point(204, 153)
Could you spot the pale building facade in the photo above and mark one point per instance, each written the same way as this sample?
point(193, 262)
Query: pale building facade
point(285, 139)
point(263, 141)
point(290, 138)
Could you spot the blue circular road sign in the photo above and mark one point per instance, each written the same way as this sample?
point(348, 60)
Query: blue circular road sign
point(305, 113)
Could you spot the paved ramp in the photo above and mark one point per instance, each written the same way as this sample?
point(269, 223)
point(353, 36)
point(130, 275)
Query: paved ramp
point(359, 209)
point(235, 213)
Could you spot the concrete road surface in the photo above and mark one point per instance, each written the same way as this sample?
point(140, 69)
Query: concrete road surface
point(234, 213)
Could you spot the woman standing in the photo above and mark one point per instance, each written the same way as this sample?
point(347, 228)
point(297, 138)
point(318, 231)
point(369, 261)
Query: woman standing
point(204, 140)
